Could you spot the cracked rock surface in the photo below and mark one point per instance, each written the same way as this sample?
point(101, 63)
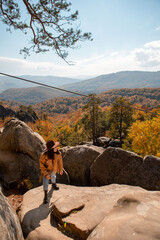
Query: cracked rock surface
point(110, 212)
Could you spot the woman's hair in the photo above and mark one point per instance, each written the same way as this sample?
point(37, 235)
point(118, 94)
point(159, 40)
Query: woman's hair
point(50, 151)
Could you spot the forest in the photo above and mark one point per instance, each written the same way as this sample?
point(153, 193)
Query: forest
point(132, 116)
point(146, 97)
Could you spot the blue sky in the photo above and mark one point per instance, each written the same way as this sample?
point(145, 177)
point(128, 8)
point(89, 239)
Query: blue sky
point(126, 36)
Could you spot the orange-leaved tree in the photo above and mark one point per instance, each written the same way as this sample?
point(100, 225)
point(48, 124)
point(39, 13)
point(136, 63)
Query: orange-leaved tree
point(44, 127)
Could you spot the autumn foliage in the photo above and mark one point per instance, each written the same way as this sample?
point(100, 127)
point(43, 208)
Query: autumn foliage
point(145, 137)
point(67, 120)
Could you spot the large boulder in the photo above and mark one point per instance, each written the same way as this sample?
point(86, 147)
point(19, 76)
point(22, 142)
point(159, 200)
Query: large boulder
point(115, 165)
point(10, 228)
point(16, 167)
point(148, 175)
point(20, 150)
point(64, 150)
point(110, 212)
point(77, 161)
point(17, 136)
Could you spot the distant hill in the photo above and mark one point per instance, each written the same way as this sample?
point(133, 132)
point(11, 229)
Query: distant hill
point(7, 82)
point(144, 96)
point(149, 97)
point(32, 95)
point(126, 79)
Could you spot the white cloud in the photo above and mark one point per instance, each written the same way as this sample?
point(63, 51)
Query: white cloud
point(146, 58)
point(149, 55)
point(153, 45)
point(23, 67)
point(157, 29)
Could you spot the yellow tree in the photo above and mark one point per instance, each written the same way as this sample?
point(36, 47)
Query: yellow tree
point(145, 137)
point(63, 134)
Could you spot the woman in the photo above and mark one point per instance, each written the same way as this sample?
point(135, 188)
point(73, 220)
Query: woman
point(50, 164)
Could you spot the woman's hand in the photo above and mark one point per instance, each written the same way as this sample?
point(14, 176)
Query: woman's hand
point(61, 172)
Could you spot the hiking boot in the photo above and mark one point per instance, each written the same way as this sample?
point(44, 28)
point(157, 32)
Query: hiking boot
point(45, 201)
point(54, 186)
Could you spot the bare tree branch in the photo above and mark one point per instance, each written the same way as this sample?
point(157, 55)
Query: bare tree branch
point(50, 29)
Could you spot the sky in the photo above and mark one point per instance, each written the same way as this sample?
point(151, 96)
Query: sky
point(126, 36)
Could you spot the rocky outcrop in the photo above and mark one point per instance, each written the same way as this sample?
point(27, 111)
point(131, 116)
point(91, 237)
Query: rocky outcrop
point(115, 165)
point(85, 165)
point(17, 136)
point(108, 142)
point(20, 149)
point(103, 141)
point(21, 115)
point(10, 228)
point(134, 217)
point(148, 175)
point(77, 161)
point(110, 212)
point(15, 167)
point(6, 112)
point(24, 116)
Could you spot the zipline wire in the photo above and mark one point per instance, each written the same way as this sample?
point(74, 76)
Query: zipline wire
point(68, 91)
point(44, 85)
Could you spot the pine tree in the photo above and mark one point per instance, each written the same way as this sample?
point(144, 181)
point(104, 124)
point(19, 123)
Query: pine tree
point(94, 119)
point(120, 118)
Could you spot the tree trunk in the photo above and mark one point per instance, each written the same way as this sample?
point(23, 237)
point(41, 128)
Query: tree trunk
point(93, 123)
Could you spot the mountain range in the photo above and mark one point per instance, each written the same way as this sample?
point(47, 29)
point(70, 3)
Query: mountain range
point(8, 82)
point(125, 79)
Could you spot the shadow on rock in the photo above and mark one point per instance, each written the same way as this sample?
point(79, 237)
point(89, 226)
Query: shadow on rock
point(32, 218)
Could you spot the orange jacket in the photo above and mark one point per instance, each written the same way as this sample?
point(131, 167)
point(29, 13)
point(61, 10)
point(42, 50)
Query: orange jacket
point(47, 166)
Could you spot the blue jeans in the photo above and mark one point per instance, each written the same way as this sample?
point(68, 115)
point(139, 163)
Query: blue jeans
point(46, 181)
